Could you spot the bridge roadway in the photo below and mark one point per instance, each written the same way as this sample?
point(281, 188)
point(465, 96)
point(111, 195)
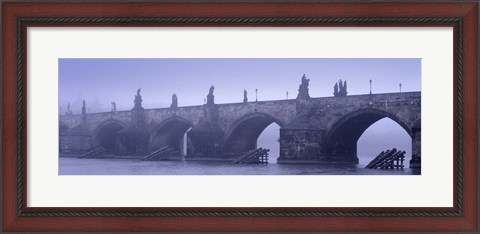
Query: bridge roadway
point(312, 130)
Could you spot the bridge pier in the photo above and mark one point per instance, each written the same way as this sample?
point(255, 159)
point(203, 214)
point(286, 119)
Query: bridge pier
point(298, 145)
point(72, 143)
point(204, 143)
point(133, 141)
point(306, 146)
point(416, 160)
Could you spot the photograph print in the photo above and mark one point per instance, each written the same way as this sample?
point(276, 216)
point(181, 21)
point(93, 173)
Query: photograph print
point(252, 116)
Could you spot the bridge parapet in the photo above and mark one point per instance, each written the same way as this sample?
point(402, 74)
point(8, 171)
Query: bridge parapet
point(395, 98)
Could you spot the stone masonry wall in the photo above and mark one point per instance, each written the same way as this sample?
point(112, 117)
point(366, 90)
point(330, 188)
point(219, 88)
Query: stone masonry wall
point(303, 127)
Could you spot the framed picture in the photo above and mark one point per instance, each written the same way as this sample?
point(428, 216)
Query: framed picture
point(260, 116)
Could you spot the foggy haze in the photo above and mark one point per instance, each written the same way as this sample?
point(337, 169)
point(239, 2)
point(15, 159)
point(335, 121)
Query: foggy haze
point(102, 81)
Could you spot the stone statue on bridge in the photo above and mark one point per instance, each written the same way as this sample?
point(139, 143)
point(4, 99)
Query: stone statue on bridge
point(138, 99)
point(69, 111)
point(340, 89)
point(210, 97)
point(245, 99)
point(174, 101)
point(84, 109)
point(303, 88)
point(114, 107)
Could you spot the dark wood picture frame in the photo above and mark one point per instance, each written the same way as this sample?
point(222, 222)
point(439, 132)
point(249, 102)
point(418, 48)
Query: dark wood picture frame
point(17, 16)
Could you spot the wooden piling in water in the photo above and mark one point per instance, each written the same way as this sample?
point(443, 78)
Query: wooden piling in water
point(390, 159)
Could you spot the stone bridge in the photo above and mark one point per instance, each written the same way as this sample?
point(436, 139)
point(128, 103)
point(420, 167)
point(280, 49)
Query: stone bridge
point(312, 130)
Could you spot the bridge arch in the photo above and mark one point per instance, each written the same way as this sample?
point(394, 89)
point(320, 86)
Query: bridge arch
point(243, 134)
point(342, 136)
point(170, 132)
point(416, 124)
point(105, 135)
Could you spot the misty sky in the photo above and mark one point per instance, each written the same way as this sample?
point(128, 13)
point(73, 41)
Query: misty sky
point(102, 81)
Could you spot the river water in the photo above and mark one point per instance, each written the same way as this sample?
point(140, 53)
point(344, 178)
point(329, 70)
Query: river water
point(77, 166)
